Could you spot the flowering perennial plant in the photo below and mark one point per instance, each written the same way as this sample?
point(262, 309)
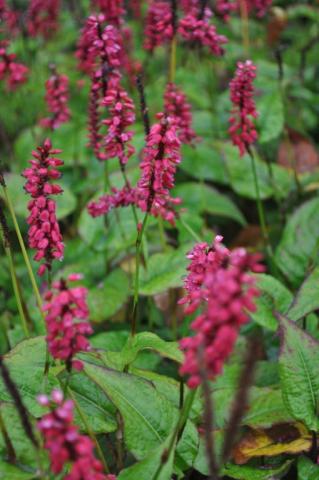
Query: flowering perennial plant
point(259, 6)
point(158, 25)
point(42, 17)
point(161, 156)
point(13, 73)
point(113, 10)
point(177, 108)
point(64, 442)
point(119, 198)
point(44, 231)
point(242, 129)
point(66, 318)
point(198, 30)
point(225, 7)
point(57, 97)
point(219, 280)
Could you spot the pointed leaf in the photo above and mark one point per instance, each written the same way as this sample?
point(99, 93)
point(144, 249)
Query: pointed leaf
point(307, 298)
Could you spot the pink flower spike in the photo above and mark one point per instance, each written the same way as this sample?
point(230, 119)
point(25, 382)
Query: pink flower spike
point(13, 73)
point(158, 25)
point(219, 281)
point(44, 231)
point(177, 108)
point(242, 130)
point(57, 97)
point(42, 17)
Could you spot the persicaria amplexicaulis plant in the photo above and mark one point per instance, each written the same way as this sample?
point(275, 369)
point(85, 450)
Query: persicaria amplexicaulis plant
point(158, 25)
point(44, 231)
point(66, 315)
point(113, 10)
point(67, 447)
point(177, 108)
point(43, 17)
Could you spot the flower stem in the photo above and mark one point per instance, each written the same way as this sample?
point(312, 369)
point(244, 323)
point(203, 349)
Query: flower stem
point(172, 61)
point(89, 429)
point(137, 273)
point(244, 25)
point(24, 251)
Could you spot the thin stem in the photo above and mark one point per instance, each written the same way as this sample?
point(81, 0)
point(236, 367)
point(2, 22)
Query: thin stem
point(89, 430)
point(137, 273)
point(17, 291)
point(172, 61)
point(182, 419)
point(244, 25)
point(260, 208)
point(24, 251)
point(189, 229)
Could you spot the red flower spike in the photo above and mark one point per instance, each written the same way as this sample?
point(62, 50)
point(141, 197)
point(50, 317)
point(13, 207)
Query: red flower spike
point(242, 129)
point(66, 314)
point(42, 17)
point(113, 10)
point(177, 107)
point(160, 159)
point(194, 29)
point(64, 442)
point(13, 73)
point(119, 198)
point(44, 231)
point(158, 25)
point(57, 97)
point(219, 280)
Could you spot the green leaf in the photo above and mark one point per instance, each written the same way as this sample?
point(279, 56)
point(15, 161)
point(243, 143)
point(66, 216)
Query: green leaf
point(204, 162)
point(164, 271)
point(255, 473)
point(26, 363)
point(298, 360)
point(10, 472)
point(66, 202)
point(307, 298)
point(274, 296)
point(271, 116)
point(307, 470)
point(106, 299)
point(298, 247)
point(203, 198)
point(266, 408)
point(150, 341)
point(147, 468)
point(147, 415)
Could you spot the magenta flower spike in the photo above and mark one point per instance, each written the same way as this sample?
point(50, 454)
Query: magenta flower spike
point(158, 25)
point(13, 73)
point(43, 16)
point(44, 231)
point(66, 314)
point(112, 9)
point(177, 107)
point(119, 198)
point(66, 446)
point(57, 97)
point(242, 129)
point(220, 282)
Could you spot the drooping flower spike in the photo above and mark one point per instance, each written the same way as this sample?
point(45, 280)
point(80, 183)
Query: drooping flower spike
point(57, 97)
point(44, 231)
point(13, 73)
point(43, 17)
point(242, 129)
point(66, 446)
point(118, 198)
point(220, 282)
point(66, 314)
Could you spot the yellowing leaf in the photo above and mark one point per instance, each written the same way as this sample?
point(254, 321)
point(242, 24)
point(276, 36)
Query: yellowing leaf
point(281, 438)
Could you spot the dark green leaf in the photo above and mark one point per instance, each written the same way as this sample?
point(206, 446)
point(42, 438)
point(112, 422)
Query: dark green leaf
point(307, 298)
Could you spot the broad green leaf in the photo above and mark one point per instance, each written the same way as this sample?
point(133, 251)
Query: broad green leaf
point(24, 449)
point(274, 297)
point(203, 198)
point(241, 175)
point(271, 116)
point(106, 299)
point(26, 363)
point(307, 470)
point(298, 247)
point(147, 415)
point(11, 472)
point(147, 468)
point(255, 473)
point(66, 202)
point(298, 360)
point(150, 341)
point(164, 271)
point(307, 298)
point(204, 162)
point(266, 408)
